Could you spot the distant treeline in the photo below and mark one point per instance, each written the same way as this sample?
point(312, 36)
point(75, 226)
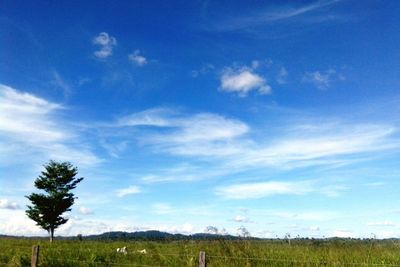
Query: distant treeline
point(154, 235)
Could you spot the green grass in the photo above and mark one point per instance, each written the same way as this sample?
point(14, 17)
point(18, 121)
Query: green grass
point(17, 252)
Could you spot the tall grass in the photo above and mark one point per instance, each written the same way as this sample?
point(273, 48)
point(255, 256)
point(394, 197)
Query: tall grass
point(17, 252)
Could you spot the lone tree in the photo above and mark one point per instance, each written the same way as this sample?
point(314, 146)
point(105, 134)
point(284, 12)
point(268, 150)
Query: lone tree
point(58, 179)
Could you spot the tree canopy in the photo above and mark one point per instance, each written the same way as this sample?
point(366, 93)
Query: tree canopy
point(57, 181)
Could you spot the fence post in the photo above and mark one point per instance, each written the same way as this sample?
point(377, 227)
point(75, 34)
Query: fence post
point(35, 256)
point(202, 259)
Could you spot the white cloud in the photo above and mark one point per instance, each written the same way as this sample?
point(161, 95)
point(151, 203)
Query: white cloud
point(6, 204)
point(137, 58)
point(106, 43)
point(15, 222)
point(133, 189)
point(50, 138)
point(343, 233)
point(22, 110)
point(243, 81)
point(382, 223)
point(387, 234)
point(207, 127)
point(322, 80)
point(264, 189)
point(85, 211)
point(241, 218)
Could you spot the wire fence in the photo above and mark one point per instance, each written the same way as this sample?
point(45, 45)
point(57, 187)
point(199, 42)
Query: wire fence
point(48, 253)
point(109, 263)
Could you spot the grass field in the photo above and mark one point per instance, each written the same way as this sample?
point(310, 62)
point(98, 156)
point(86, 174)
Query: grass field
point(338, 252)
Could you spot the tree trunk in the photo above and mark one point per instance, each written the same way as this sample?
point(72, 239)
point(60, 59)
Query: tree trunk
point(51, 233)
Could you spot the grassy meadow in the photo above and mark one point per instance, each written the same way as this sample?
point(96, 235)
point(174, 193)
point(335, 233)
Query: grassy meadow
point(306, 252)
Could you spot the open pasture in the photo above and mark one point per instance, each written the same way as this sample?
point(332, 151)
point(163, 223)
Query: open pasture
point(305, 252)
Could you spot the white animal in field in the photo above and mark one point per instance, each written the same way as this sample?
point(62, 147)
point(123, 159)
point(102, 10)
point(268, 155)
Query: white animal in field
point(143, 251)
point(122, 250)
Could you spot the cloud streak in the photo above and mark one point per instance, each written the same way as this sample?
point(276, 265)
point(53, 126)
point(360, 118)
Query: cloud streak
point(49, 137)
point(272, 15)
point(256, 190)
point(131, 190)
point(264, 189)
point(229, 141)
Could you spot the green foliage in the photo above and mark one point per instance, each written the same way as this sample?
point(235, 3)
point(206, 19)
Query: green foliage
point(57, 181)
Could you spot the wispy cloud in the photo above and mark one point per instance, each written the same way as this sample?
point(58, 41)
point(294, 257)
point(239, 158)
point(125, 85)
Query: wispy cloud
point(182, 173)
point(202, 133)
point(273, 188)
point(131, 190)
point(273, 14)
point(137, 58)
point(59, 82)
point(281, 78)
point(242, 81)
point(203, 70)
point(264, 189)
point(299, 215)
point(106, 44)
point(48, 138)
point(323, 80)
point(160, 117)
point(114, 149)
point(22, 110)
point(212, 136)
point(291, 12)
point(310, 147)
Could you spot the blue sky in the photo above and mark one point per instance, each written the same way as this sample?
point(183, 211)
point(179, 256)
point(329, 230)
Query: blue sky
point(279, 117)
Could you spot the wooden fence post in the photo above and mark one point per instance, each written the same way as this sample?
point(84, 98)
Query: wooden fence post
point(202, 259)
point(35, 256)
